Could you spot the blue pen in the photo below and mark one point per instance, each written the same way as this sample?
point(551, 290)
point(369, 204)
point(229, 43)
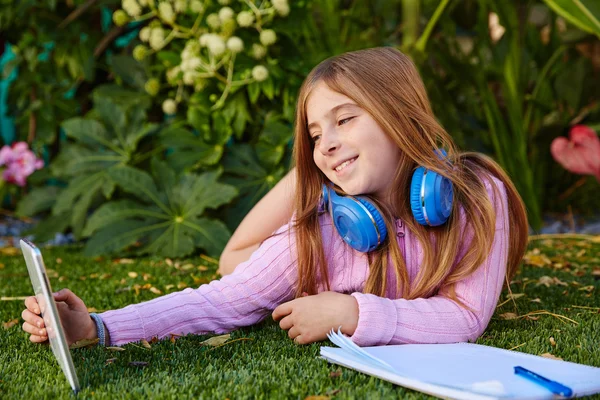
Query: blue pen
point(552, 386)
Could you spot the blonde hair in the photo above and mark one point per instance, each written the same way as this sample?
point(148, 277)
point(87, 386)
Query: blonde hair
point(385, 83)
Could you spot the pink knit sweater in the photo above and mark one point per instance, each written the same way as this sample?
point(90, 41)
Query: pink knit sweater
point(269, 278)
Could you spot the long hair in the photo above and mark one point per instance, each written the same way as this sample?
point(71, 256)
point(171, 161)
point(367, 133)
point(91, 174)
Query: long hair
point(385, 83)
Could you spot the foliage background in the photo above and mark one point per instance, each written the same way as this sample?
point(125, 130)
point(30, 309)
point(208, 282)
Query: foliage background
point(122, 168)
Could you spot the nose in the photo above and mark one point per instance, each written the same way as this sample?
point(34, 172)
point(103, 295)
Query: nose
point(329, 143)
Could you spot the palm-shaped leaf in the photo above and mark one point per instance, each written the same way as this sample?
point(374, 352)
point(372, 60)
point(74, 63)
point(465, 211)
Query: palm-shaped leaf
point(167, 216)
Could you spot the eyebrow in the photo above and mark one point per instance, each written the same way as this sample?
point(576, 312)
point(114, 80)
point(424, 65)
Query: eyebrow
point(332, 111)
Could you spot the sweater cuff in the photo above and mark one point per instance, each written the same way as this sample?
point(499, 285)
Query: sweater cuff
point(124, 325)
point(377, 318)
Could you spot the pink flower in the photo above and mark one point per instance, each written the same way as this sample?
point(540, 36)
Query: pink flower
point(20, 163)
point(6, 155)
point(581, 153)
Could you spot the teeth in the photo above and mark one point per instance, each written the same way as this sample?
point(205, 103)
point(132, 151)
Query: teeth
point(343, 165)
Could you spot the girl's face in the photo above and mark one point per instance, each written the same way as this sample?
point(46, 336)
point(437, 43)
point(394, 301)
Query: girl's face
point(349, 146)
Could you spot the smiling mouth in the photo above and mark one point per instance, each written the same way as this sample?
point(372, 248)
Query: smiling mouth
point(345, 164)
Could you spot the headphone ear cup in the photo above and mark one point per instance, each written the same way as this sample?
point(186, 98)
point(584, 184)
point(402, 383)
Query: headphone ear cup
point(377, 218)
point(415, 195)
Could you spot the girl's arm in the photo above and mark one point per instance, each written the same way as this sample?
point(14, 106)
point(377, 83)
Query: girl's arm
point(270, 213)
point(241, 299)
point(439, 319)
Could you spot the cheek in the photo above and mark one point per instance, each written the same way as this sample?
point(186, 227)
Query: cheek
point(319, 160)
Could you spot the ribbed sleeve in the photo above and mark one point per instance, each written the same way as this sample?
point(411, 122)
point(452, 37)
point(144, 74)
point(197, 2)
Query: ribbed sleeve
point(243, 298)
point(438, 319)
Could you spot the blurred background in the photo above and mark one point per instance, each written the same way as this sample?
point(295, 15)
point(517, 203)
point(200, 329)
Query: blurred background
point(152, 127)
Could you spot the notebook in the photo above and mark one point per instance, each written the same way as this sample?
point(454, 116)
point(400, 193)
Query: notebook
point(461, 370)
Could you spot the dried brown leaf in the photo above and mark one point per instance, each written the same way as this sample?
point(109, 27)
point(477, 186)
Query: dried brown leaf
point(216, 340)
point(508, 315)
point(132, 274)
point(335, 374)
point(126, 261)
point(10, 251)
point(84, 343)
point(202, 268)
point(187, 267)
point(110, 361)
point(588, 288)
point(536, 300)
point(138, 364)
point(146, 344)
point(10, 324)
point(181, 285)
point(551, 356)
point(115, 348)
point(169, 262)
point(12, 298)
point(59, 260)
point(515, 296)
point(552, 341)
point(537, 259)
point(155, 290)
point(550, 281)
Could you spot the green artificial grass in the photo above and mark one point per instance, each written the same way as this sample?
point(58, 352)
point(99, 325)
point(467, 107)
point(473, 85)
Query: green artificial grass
point(266, 364)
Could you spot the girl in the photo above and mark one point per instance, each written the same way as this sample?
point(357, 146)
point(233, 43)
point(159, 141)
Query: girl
point(401, 273)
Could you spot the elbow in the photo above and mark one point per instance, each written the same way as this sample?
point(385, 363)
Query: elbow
point(225, 264)
point(474, 326)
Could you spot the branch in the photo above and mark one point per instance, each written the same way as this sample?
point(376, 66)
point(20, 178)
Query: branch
point(76, 13)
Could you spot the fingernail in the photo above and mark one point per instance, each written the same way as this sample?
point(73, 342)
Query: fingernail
point(41, 332)
point(39, 324)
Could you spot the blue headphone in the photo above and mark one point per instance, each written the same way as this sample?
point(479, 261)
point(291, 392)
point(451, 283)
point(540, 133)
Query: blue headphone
point(360, 224)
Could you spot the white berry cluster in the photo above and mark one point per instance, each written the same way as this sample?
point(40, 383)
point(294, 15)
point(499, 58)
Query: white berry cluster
point(204, 34)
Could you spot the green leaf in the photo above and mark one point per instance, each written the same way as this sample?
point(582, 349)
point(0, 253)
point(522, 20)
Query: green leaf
point(131, 71)
point(75, 160)
point(584, 14)
point(116, 237)
point(175, 241)
point(211, 235)
point(199, 119)
point(272, 141)
point(116, 211)
point(39, 199)
point(81, 207)
point(199, 192)
point(253, 92)
point(189, 151)
point(50, 226)
point(132, 139)
point(111, 114)
point(78, 187)
point(138, 183)
point(87, 131)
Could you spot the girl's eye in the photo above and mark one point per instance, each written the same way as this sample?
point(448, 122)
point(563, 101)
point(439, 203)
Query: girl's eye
point(316, 138)
point(344, 121)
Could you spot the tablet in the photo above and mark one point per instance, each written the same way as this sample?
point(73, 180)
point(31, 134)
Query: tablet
point(43, 294)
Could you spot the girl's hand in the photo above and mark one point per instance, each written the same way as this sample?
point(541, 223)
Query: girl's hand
point(74, 316)
point(309, 319)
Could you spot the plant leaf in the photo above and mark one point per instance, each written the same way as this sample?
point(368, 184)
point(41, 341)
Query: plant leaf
point(216, 340)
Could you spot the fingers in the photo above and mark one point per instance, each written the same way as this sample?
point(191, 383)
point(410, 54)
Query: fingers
point(282, 310)
point(70, 298)
point(293, 333)
point(32, 305)
point(37, 335)
point(32, 319)
point(286, 323)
